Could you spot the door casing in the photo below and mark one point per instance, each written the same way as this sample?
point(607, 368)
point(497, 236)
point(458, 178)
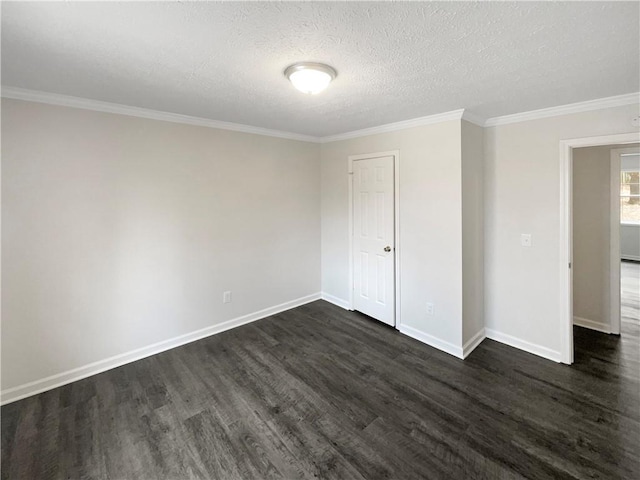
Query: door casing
point(566, 230)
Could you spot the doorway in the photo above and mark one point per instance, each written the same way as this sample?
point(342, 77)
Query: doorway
point(598, 212)
point(611, 253)
point(374, 235)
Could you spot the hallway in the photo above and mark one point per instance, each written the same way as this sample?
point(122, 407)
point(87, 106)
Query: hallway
point(612, 354)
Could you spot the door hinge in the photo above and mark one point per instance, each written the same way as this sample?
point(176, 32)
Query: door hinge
point(569, 264)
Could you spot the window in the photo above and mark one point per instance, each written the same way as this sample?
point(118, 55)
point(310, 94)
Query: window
point(630, 196)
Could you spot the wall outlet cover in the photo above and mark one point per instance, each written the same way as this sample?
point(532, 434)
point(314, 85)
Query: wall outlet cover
point(226, 297)
point(430, 308)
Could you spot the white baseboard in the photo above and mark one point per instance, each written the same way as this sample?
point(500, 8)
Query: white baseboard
point(57, 380)
point(592, 324)
point(473, 342)
point(523, 345)
point(432, 341)
point(335, 300)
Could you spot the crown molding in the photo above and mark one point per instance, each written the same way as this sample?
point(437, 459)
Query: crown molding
point(394, 127)
point(461, 114)
point(473, 118)
point(600, 103)
point(107, 107)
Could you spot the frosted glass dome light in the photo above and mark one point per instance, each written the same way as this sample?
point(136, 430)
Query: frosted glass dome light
point(310, 77)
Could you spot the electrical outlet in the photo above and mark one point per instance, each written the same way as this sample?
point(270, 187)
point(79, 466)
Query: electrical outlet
point(226, 297)
point(430, 308)
point(525, 239)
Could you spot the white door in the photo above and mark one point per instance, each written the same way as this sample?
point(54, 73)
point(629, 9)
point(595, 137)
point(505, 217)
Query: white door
point(373, 238)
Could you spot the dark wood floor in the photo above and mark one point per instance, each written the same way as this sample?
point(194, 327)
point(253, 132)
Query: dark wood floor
point(321, 392)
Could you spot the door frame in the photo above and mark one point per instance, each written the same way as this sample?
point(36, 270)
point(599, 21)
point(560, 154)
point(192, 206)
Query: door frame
point(566, 230)
point(396, 224)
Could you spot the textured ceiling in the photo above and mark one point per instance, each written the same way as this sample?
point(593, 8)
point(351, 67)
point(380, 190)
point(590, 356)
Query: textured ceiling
point(395, 61)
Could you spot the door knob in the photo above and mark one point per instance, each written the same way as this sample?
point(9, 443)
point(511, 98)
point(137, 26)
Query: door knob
point(387, 248)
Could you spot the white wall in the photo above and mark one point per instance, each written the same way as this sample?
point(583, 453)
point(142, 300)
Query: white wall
point(522, 195)
point(119, 232)
point(630, 242)
point(472, 230)
point(430, 223)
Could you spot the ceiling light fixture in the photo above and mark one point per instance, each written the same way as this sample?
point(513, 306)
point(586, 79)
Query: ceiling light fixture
point(309, 77)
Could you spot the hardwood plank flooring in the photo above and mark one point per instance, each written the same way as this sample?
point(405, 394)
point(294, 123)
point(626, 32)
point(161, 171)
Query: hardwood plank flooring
point(318, 392)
